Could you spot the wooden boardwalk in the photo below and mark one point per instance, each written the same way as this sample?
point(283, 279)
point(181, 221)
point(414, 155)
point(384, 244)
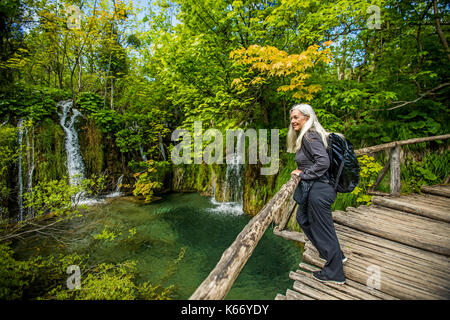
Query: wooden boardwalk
point(397, 248)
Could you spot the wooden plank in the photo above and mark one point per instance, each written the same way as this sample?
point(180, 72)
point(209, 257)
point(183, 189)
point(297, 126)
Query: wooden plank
point(424, 221)
point(312, 292)
point(294, 295)
point(401, 222)
point(432, 198)
point(324, 287)
point(395, 268)
point(360, 273)
point(395, 260)
point(353, 288)
point(440, 190)
point(378, 193)
point(435, 202)
point(280, 297)
point(426, 211)
point(396, 232)
point(423, 229)
point(290, 235)
point(421, 257)
point(405, 221)
point(221, 278)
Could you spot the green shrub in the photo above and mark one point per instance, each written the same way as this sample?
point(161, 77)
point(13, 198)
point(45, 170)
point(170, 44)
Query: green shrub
point(433, 169)
point(43, 278)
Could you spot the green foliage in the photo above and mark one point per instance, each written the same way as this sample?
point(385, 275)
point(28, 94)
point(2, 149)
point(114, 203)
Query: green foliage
point(147, 291)
point(57, 197)
point(28, 279)
point(8, 154)
point(50, 151)
point(369, 172)
point(89, 102)
point(128, 140)
point(96, 184)
point(433, 169)
point(11, 279)
point(104, 282)
point(44, 277)
point(50, 203)
point(108, 120)
point(107, 235)
point(32, 102)
point(287, 165)
point(92, 149)
point(147, 181)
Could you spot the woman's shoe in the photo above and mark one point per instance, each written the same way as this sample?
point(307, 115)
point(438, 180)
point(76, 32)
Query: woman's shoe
point(321, 277)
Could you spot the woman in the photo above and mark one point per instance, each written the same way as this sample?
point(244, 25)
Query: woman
point(308, 139)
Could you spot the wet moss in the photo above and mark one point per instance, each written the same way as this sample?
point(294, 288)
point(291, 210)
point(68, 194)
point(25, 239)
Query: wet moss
point(50, 153)
point(91, 147)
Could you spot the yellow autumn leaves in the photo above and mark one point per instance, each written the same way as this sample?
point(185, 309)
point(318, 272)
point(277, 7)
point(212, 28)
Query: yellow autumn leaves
point(267, 62)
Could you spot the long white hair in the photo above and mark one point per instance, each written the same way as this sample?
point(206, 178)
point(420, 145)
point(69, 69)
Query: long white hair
point(294, 138)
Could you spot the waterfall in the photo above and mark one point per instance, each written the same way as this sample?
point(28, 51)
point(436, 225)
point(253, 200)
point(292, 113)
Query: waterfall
point(143, 156)
point(234, 186)
point(75, 165)
point(30, 164)
point(161, 146)
point(19, 174)
point(117, 192)
point(235, 171)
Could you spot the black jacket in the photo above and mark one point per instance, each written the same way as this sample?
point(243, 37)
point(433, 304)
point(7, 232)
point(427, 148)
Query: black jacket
point(312, 158)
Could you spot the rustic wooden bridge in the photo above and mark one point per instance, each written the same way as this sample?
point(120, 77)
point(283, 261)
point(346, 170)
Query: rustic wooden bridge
point(397, 248)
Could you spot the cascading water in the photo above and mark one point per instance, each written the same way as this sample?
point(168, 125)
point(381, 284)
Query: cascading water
point(19, 171)
point(30, 164)
point(235, 172)
point(161, 146)
point(234, 187)
point(75, 165)
point(117, 192)
point(143, 156)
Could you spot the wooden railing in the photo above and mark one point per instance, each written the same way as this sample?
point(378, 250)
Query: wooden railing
point(220, 280)
point(222, 277)
point(394, 161)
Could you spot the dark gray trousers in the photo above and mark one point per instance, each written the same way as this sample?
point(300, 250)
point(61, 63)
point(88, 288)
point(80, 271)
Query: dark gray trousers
point(318, 226)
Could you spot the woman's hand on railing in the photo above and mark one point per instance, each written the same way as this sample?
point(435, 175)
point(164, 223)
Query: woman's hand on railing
point(296, 172)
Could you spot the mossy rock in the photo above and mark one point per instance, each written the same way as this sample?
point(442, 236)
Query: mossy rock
point(50, 151)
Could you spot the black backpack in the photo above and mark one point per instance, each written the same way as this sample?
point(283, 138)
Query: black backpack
point(344, 169)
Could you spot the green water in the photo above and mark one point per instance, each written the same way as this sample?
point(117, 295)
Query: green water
point(189, 223)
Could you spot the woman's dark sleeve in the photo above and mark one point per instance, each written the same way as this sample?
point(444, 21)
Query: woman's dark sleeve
point(315, 148)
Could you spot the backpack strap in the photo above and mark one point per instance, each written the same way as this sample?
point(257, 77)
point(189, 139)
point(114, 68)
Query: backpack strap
point(325, 176)
point(341, 166)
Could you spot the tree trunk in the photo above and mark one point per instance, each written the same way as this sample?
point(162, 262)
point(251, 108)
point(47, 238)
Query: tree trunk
point(439, 30)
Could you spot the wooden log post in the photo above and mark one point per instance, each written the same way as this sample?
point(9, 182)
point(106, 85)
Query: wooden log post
point(219, 282)
point(395, 184)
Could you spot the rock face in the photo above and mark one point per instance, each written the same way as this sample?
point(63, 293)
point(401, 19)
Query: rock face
point(211, 180)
